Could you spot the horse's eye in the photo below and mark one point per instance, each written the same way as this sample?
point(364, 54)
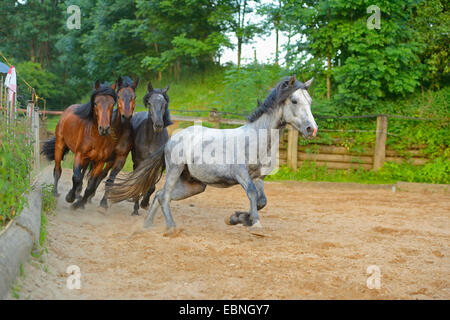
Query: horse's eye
point(294, 101)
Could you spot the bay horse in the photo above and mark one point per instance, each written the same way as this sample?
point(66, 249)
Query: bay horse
point(85, 130)
point(234, 162)
point(121, 129)
point(149, 130)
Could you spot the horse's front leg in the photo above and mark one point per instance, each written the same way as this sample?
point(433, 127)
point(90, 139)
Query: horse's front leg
point(97, 169)
point(116, 167)
point(77, 177)
point(100, 178)
point(242, 176)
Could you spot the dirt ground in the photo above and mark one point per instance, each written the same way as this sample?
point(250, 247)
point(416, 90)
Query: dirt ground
point(320, 240)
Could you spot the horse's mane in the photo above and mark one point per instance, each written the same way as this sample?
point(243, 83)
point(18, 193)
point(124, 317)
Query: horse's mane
point(126, 82)
point(86, 111)
point(277, 95)
point(166, 117)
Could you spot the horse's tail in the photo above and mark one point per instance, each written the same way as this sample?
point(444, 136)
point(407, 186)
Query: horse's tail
point(48, 149)
point(138, 182)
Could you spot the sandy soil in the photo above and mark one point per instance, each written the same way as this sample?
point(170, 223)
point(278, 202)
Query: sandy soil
point(320, 240)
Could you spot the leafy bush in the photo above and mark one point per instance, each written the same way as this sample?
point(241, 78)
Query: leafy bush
point(15, 168)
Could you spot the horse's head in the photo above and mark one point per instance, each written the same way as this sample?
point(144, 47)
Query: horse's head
point(103, 104)
point(157, 102)
point(126, 97)
point(297, 106)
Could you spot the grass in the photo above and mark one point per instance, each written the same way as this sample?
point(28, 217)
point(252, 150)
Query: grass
point(436, 171)
point(48, 207)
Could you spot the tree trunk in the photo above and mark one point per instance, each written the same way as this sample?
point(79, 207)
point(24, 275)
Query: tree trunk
point(329, 77)
point(239, 52)
point(276, 46)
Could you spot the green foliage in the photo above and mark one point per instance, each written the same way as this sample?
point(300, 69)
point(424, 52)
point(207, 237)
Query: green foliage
point(48, 207)
point(245, 85)
point(15, 168)
point(42, 80)
point(436, 171)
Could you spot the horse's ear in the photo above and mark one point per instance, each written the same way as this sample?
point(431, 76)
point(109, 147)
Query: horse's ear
point(149, 87)
point(135, 83)
point(97, 84)
point(119, 83)
point(166, 89)
point(309, 83)
point(292, 80)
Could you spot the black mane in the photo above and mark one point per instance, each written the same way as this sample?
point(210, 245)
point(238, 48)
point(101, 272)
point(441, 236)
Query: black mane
point(126, 82)
point(86, 111)
point(277, 95)
point(166, 117)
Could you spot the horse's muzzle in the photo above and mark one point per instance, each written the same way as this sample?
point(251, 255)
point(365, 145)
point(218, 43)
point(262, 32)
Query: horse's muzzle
point(104, 131)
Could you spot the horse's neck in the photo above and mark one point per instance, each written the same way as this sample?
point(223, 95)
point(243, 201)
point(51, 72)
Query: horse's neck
point(269, 122)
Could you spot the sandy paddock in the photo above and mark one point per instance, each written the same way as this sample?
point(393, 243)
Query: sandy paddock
point(320, 240)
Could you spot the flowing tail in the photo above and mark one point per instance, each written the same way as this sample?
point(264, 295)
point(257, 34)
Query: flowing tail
point(138, 182)
point(48, 149)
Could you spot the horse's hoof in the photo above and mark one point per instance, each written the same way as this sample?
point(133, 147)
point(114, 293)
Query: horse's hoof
point(78, 205)
point(104, 204)
point(148, 223)
point(144, 205)
point(232, 220)
point(135, 213)
point(257, 229)
point(56, 194)
point(172, 232)
point(70, 197)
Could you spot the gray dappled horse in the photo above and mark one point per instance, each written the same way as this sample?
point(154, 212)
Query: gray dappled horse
point(188, 174)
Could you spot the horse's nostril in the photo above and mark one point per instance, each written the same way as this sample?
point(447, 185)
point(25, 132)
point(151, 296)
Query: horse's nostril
point(309, 129)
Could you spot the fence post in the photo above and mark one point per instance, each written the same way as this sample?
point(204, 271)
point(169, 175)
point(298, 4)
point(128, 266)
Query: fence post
point(292, 148)
point(35, 131)
point(215, 117)
point(380, 142)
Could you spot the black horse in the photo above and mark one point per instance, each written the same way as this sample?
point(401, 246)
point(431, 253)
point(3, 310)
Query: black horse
point(149, 133)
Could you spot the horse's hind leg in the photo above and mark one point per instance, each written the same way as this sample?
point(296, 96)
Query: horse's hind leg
point(183, 189)
point(116, 167)
point(173, 174)
point(136, 207)
point(59, 152)
point(146, 199)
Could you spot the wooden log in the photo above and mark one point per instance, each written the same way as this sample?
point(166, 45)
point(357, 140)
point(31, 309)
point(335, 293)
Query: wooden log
point(292, 149)
point(414, 161)
point(380, 143)
point(341, 165)
point(413, 152)
point(334, 157)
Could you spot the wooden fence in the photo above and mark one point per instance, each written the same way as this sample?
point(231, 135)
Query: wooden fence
point(336, 157)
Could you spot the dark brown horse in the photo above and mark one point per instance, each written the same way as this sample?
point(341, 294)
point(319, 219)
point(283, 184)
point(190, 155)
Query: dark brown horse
point(126, 94)
point(84, 130)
